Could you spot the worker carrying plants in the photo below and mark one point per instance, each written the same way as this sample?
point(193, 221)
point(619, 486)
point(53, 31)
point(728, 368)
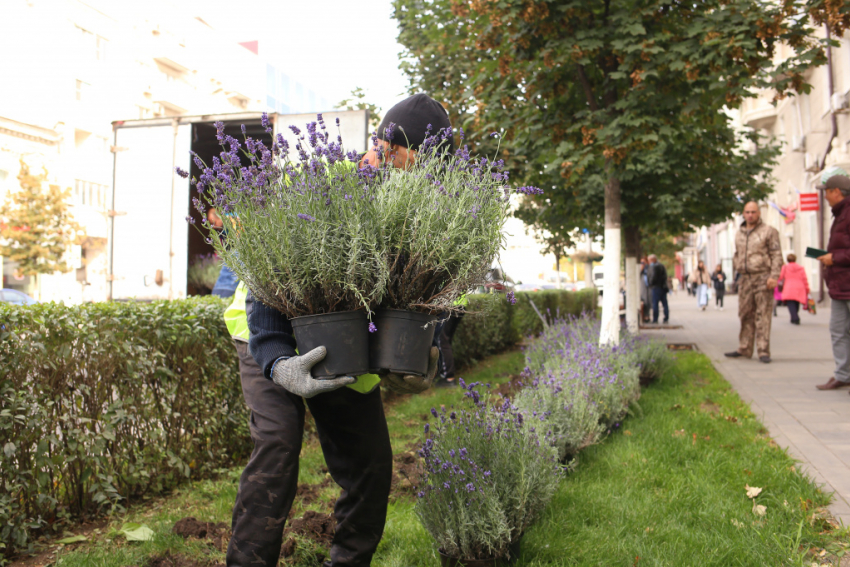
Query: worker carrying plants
point(348, 411)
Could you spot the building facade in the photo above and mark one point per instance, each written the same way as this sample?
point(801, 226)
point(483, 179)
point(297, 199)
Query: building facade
point(814, 133)
point(73, 67)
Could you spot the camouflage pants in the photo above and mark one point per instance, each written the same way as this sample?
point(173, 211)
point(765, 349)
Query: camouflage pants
point(755, 309)
point(353, 434)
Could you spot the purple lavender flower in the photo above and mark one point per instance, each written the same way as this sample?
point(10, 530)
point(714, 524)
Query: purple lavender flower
point(264, 120)
point(529, 190)
point(372, 329)
point(181, 173)
point(511, 298)
point(304, 216)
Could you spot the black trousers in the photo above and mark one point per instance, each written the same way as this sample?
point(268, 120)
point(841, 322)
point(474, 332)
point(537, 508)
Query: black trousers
point(447, 332)
point(718, 294)
point(794, 310)
point(353, 434)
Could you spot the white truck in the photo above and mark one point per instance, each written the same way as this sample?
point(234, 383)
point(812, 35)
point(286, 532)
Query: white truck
point(150, 243)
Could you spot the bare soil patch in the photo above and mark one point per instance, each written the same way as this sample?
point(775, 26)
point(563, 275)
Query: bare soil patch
point(510, 388)
point(408, 473)
point(177, 560)
point(217, 535)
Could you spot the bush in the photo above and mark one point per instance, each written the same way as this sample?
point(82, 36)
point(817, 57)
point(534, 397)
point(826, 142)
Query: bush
point(106, 402)
point(493, 324)
point(490, 473)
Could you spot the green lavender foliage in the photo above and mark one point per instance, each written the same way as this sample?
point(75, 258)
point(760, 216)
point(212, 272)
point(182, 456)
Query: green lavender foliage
point(490, 474)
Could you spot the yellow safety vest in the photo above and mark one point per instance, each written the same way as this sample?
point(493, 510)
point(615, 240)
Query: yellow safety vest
point(236, 319)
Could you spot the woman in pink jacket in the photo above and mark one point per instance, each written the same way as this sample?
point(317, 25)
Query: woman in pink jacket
point(795, 287)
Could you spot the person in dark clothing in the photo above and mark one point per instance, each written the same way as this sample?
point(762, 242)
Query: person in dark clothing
point(658, 287)
point(718, 278)
point(445, 333)
point(837, 263)
point(348, 411)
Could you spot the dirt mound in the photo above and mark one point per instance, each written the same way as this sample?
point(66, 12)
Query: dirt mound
point(177, 560)
point(309, 493)
point(217, 534)
point(408, 474)
point(314, 525)
point(509, 388)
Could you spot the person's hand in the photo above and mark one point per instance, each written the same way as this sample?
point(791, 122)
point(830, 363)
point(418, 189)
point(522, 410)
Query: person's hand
point(411, 384)
point(293, 375)
point(771, 283)
point(826, 259)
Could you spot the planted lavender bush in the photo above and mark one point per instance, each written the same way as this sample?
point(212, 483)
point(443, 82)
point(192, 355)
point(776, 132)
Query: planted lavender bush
point(568, 350)
point(203, 272)
point(300, 233)
point(490, 471)
point(652, 357)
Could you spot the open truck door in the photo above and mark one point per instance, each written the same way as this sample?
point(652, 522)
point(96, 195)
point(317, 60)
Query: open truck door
point(149, 232)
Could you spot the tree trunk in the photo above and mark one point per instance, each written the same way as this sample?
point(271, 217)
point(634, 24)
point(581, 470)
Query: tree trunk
point(558, 269)
point(610, 331)
point(632, 236)
point(588, 266)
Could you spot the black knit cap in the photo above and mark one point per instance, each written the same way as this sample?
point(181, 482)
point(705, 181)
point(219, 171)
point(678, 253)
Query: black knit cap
point(411, 118)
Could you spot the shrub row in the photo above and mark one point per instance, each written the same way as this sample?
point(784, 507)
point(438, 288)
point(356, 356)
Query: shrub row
point(494, 324)
point(491, 464)
point(106, 402)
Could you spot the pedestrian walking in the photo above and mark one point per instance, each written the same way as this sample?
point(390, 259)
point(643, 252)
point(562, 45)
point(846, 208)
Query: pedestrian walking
point(348, 411)
point(657, 275)
point(777, 300)
point(837, 264)
point(794, 286)
point(701, 279)
point(758, 260)
point(718, 280)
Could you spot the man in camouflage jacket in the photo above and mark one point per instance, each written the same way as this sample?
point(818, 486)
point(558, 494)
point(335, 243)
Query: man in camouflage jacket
point(758, 260)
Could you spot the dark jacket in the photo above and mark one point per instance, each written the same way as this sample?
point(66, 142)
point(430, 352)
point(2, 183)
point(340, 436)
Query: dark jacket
point(718, 283)
point(657, 275)
point(838, 275)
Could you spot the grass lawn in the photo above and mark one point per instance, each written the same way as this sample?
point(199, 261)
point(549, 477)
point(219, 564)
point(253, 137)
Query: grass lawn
point(668, 488)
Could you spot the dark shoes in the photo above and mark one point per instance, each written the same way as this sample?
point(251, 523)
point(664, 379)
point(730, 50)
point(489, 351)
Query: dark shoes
point(832, 384)
point(765, 359)
point(734, 354)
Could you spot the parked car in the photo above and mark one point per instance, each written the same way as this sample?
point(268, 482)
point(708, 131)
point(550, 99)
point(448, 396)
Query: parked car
point(15, 297)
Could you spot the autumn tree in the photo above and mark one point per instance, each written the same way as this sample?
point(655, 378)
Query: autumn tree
point(36, 226)
point(613, 102)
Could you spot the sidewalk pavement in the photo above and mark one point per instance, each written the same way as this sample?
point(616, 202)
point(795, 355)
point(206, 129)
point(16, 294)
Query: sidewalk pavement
point(813, 425)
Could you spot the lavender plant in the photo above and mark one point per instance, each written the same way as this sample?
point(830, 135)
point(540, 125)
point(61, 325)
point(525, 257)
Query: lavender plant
point(652, 357)
point(489, 474)
point(442, 223)
point(299, 232)
point(320, 234)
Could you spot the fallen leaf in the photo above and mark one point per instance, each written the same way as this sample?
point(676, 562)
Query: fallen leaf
point(695, 439)
point(731, 418)
point(737, 524)
point(72, 539)
point(680, 433)
point(627, 432)
point(752, 491)
point(136, 532)
point(759, 510)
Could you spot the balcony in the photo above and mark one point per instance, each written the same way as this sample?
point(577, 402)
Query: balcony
point(759, 112)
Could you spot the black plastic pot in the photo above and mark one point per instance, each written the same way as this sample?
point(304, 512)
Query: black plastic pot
point(345, 335)
point(402, 341)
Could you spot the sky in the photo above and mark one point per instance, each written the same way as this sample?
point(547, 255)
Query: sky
point(332, 46)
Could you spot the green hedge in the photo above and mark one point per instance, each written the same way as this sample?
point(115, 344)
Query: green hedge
point(105, 402)
point(109, 401)
point(494, 325)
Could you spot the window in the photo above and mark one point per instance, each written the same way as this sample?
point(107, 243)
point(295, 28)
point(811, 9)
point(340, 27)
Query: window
point(83, 90)
point(92, 44)
point(91, 194)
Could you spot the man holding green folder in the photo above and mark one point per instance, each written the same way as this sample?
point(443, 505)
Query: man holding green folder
point(836, 261)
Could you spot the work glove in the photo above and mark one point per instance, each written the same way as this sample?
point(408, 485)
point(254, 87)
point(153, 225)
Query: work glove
point(293, 375)
point(410, 384)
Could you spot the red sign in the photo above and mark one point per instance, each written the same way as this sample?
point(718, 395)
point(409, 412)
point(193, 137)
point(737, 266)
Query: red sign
point(809, 202)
